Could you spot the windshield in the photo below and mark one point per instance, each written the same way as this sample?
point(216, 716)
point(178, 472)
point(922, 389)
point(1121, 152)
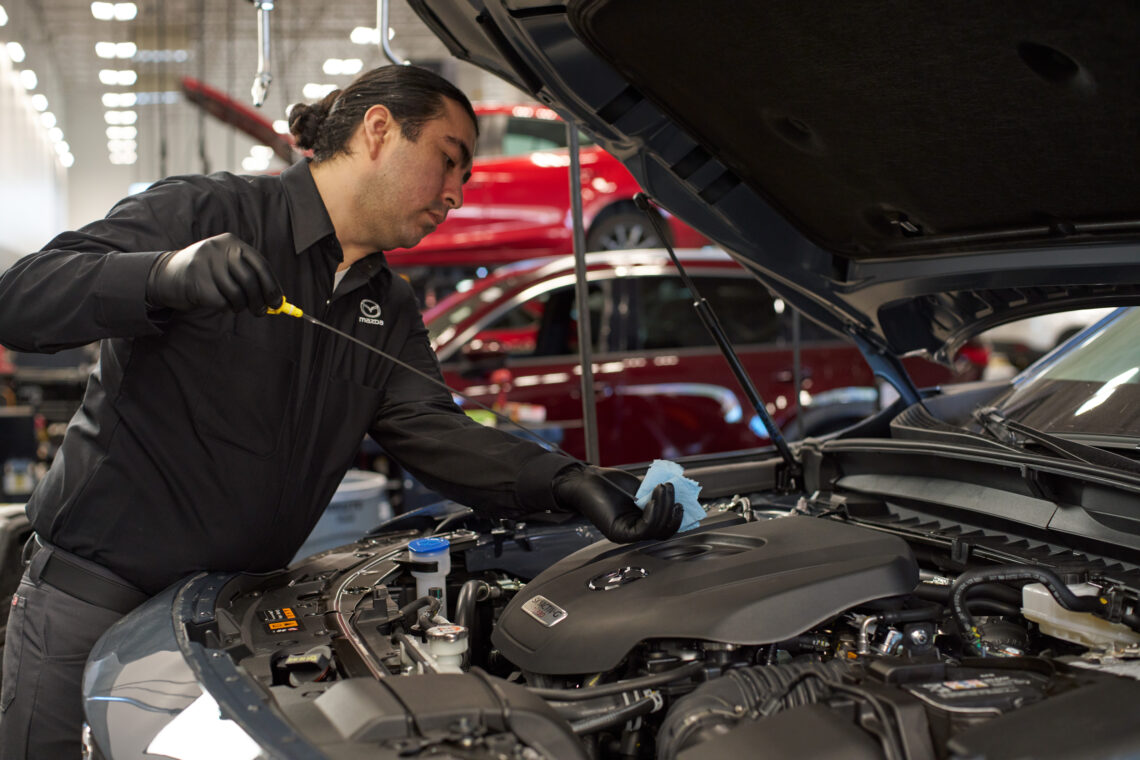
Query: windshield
point(1090, 388)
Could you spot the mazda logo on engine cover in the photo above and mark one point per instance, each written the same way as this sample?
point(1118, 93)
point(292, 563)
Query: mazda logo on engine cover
point(610, 581)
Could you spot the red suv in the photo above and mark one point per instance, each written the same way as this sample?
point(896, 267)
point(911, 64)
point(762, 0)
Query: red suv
point(662, 387)
point(517, 203)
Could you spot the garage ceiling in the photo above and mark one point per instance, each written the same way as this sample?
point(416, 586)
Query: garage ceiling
point(218, 44)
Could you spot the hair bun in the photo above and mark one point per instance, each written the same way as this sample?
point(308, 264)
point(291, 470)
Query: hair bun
point(305, 123)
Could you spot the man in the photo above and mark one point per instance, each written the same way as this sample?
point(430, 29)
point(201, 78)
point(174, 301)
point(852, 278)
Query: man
point(211, 436)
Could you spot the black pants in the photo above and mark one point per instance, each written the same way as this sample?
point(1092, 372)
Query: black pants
point(50, 634)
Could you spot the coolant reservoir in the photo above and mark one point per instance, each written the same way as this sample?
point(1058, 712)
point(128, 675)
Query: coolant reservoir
point(448, 644)
point(1084, 628)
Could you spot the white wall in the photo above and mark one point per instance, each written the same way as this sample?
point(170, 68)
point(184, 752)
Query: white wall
point(33, 184)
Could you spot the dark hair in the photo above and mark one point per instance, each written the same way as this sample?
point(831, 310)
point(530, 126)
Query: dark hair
point(412, 94)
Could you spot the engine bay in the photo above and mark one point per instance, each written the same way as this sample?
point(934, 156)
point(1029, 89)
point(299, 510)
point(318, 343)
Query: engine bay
point(784, 626)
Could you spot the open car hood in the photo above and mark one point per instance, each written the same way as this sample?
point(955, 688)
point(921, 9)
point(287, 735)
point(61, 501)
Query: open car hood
point(912, 174)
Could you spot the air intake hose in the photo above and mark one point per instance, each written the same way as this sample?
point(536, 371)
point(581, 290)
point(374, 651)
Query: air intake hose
point(742, 694)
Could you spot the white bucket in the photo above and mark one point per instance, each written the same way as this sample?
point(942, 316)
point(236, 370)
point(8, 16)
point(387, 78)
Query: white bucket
point(359, 505)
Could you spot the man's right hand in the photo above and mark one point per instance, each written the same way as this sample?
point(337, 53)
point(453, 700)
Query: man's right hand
point(216, 273)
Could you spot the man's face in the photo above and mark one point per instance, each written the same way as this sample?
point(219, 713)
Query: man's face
point(416, 183)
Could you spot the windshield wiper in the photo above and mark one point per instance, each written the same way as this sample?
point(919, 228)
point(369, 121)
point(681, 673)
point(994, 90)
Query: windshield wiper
point(1014, 433)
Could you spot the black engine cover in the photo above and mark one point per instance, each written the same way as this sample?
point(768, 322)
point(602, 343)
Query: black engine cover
point(754, 583)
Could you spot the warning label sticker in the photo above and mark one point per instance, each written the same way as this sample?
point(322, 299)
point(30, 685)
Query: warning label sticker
point(283, 620)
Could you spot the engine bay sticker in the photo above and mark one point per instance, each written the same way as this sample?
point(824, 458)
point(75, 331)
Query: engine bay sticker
point(972, 683)
point(544, 611)
point(283, 620)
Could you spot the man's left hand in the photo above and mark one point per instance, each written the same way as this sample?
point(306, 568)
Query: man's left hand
point(604, 496)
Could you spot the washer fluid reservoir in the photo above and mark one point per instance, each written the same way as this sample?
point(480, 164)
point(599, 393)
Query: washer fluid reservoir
point(1084, 628)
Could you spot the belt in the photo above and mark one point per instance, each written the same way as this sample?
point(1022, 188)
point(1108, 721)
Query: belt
point(82, 583)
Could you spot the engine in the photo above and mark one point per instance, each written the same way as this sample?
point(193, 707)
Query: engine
point(746, 584)
point(756, 635)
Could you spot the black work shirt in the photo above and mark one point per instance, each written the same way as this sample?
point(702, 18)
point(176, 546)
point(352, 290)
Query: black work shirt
point(209, 440)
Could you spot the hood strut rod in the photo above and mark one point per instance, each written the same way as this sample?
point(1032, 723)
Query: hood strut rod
point(888, 368)
point(582, 296)
point(712, 325)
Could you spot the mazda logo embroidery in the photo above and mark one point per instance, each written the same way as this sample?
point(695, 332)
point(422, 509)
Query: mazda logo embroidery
point(370, 312)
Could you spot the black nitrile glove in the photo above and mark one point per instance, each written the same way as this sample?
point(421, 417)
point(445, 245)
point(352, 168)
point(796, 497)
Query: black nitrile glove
point(610, 506)
point(216, 273)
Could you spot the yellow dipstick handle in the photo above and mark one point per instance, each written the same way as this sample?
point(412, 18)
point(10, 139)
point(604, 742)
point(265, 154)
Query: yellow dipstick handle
point(286, 308)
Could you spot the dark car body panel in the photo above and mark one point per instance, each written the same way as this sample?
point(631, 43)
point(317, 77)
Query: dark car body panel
point(839, 181)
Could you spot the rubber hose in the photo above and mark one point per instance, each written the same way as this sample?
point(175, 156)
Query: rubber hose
point(913, 615)
point(426, 616)
point(408, 611)
point(613, 717)
point(415, 610)
point(1061, 593)
point(607, 689)
point(720, 704)
point(938, 593)
point(587, 708)
point(979, 604)
point(992, 607)
point(469, 594)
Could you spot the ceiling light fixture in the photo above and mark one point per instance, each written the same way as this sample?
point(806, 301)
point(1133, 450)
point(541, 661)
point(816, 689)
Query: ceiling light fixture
point(3, 16)
point(365, 35)
point(162, 56)
point(114, 11)
point(39, 101)
point(55, 134)
point(168, 97)
point(315, 91)
point(47, 118)
point(120, 118)
point(122, 77)
point(15, 52)
point(119, 99)
point(281, 127)
point(122, 133)
point(106, 49)
point(67, 160)
point(28, 79)
point(338, 66)
point(251, 164)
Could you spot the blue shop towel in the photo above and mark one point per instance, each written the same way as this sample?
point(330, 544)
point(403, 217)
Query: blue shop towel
point(685, 490)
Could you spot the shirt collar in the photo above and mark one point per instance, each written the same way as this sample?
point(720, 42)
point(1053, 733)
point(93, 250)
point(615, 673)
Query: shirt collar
point(307, 212)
